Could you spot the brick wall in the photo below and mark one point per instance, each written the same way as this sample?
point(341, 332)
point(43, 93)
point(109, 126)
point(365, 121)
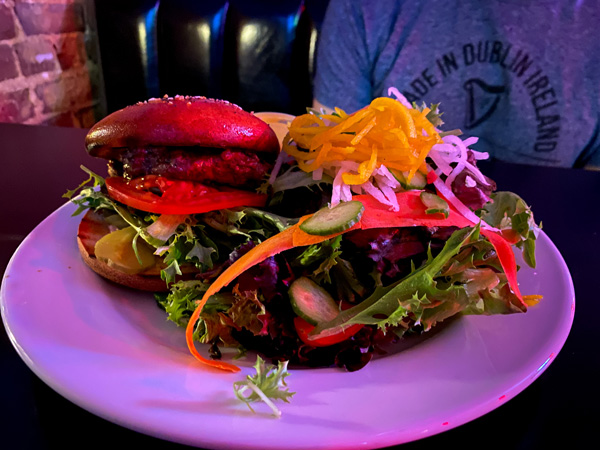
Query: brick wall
point(49, 63)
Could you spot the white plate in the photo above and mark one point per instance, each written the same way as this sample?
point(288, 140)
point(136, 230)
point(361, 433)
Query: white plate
point(111, 351)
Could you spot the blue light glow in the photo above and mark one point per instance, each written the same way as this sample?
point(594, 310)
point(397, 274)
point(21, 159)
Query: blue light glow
point(147, 36)
point(545, 363)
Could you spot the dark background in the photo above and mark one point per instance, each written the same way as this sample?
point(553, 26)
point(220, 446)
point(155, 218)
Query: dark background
point(258, 54)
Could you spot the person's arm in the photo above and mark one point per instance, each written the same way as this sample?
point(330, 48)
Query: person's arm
point(343, 64)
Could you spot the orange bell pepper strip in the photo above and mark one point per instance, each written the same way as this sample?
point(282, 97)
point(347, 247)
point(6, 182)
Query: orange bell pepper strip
point(506, 258)
point(411, 213)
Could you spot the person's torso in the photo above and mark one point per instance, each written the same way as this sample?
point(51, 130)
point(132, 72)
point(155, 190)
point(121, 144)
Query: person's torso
point(523, 76)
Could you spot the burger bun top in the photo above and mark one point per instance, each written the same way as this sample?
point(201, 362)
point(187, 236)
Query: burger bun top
point(181, 121)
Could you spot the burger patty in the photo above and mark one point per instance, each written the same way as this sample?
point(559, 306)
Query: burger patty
point(230, 167)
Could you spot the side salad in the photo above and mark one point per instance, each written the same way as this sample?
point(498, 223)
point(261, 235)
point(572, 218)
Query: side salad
point(430, 238)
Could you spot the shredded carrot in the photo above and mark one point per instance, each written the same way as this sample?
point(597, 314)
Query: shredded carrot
point(384, 132)
point(365, 169)
point(361, 134)
point(189, 338)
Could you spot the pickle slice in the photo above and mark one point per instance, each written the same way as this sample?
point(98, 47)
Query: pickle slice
point(116, 249)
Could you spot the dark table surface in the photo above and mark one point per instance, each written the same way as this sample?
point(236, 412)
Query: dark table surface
point(560, 408)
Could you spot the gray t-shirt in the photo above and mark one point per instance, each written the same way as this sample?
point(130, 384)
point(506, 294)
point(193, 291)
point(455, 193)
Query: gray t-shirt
point(523, 76)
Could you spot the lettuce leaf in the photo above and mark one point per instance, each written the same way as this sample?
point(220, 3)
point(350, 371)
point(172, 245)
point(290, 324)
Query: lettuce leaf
point(250, 223)
point(325, 254)
point(248, 311)
point(223, 313)
point(508, 211)
point(294, 177)
point(181, 301)
point(389, 305)
point(89, 196)
point(266, 385)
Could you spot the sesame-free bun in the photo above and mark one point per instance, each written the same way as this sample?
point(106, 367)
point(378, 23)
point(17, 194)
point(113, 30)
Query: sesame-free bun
point(93, 227)
point(181, 121)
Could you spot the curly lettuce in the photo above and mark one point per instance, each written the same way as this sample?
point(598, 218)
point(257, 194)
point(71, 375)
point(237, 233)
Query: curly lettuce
point(508, 211)
point(266, 385)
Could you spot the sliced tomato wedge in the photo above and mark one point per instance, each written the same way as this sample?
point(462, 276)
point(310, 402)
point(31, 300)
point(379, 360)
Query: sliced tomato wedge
point(160, 195)
point(303, 328)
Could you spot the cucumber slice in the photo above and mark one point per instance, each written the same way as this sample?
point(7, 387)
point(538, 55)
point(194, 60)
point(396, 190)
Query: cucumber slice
point(418, 181)
point(311, 302)
point(434, 203)
point(333, 220)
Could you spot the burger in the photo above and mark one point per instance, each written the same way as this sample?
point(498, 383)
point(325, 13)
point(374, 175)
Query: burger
point(170, 161)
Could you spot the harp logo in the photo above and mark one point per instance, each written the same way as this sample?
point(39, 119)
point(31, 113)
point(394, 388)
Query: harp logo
point(482, 100)
point(524, 80)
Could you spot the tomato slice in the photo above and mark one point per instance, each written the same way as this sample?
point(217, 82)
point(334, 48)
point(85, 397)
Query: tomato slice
point(160, 195)
point(303, 328)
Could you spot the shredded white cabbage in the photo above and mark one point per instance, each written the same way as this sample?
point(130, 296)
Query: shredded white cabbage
point(455, 150)
point(283, 157)
point(401, 98)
